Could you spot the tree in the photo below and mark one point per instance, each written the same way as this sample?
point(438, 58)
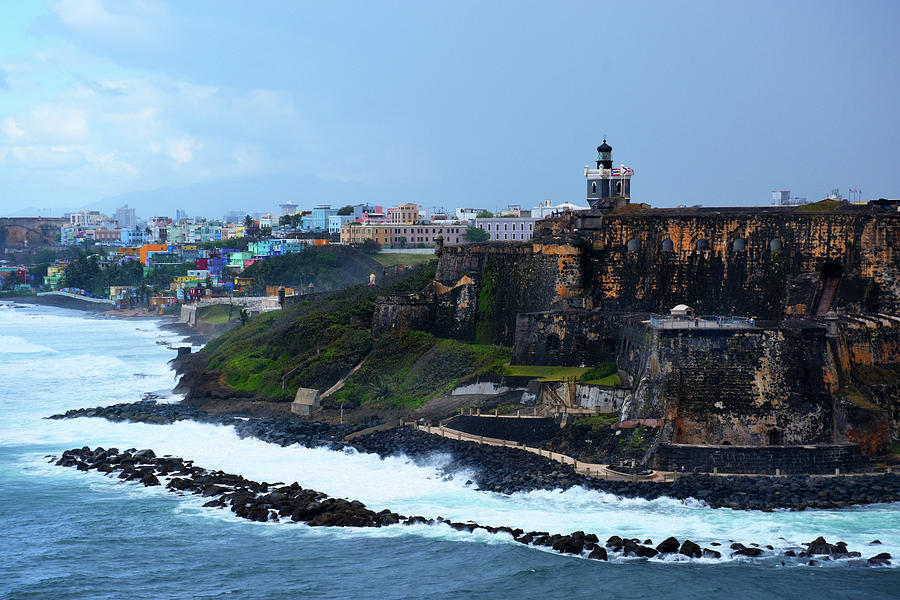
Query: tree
point(345, 211)
point(85, 273)
point(476, 234)
point(485, 214)
point(370, 246)
point(248, 222)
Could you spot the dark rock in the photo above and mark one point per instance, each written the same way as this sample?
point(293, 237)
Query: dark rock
point(878, 560)
point(668, 546)
point(819, 546)
point(598, 553)
point(631, 548)
point(707, 553)
point(690, 549)
point(747, 552)
point(149, 479)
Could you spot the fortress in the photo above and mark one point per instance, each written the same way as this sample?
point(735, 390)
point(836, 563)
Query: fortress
point(796, 366)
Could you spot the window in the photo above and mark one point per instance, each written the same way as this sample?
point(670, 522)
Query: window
point(594, 188)
point(667, 245)
point(702, 244)
point(633, 245)
point(775, 244)
point(739, 244)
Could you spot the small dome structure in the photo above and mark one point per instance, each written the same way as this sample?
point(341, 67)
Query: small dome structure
point(681, 311)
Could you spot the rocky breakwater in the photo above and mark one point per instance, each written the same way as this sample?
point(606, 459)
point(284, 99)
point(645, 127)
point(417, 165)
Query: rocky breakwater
point(275, 430)
point(262, 502)
point(509, 470)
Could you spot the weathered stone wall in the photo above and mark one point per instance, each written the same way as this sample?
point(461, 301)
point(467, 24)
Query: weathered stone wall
point(526, 431)
point(761, 386)
point(502, 279)
point(36, 231)
point(864, 373)
point(570, 337)
point(654, 259)
point(742, 459)
point(445, 311)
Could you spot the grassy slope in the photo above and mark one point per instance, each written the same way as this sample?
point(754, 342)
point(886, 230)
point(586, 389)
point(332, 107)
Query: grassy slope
point(218, 314)
point(604, 374)
point(326, 267)
point(313, 343)
point(407, 260)
point(408, 368)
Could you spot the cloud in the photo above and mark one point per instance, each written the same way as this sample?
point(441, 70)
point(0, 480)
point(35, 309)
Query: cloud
point(182, 151)
point(116, 134)
point(129, 23)
point(10, 129)
point(59, 122)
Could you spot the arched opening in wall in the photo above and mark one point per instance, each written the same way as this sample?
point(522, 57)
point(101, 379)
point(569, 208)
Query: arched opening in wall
point(667, 245)
point(725, 443)
point(702, 244)
point(775, 244)
point(828, 285)
point(774, 437)
point(633, 245)
point(739, 245)
point(594, 188)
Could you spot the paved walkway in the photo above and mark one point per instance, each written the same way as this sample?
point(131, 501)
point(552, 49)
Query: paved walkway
point(590, 469)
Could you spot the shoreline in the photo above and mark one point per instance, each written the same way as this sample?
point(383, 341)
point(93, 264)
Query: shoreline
point(509, 470)
point(264, 502)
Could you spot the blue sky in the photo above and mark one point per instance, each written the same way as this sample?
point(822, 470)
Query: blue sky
point(212, 105)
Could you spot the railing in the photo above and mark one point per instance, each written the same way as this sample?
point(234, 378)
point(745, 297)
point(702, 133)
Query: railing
point(702, 322)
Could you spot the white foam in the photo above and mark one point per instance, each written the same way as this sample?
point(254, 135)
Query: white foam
point(11, 344)
point(104, 373)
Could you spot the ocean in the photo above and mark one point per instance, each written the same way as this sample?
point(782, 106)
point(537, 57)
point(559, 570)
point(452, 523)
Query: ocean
point(72, 534)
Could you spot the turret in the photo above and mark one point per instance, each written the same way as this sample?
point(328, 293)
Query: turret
point(607, 187)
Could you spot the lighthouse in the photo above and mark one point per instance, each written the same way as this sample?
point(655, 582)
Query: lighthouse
point(608, 187)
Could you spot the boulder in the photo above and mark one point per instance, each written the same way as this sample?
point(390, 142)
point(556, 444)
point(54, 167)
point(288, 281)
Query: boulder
point(879, 560)
point(707, 553)
point(690, 549)
point(668, 546)
point(598, 553)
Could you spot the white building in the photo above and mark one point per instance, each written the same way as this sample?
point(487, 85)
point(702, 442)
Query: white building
point(507, 229)
point(467, 214)
point(547, 208)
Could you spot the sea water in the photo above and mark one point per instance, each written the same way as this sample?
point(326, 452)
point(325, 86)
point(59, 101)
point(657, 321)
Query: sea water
point(72, 534)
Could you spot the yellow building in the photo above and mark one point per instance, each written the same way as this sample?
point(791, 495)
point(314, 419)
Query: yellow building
point(357, 234)
point(407, 213)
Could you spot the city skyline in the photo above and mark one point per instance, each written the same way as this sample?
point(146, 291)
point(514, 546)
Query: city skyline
point(212, 107)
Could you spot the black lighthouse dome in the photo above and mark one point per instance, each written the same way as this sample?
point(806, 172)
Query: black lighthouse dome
point(604, 155)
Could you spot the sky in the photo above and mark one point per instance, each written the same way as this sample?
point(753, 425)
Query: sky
point(217, 105)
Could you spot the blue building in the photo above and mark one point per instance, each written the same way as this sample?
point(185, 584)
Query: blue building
point(133, 237)
point(335, 222)
point(317, 220)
